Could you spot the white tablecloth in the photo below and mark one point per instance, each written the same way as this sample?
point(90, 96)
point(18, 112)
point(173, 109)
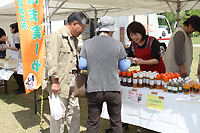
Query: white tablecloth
point(178, 116)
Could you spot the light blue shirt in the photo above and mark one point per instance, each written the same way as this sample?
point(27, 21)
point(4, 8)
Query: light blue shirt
point(123, 64)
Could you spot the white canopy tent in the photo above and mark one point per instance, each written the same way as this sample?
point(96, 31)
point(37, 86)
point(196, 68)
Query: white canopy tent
point(59, 9)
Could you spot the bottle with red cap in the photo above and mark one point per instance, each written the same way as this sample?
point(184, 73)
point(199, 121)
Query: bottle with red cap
point(134, 80)
point(120, 77)
point(158, 81)
point(165, 83)
point(129, 79)
point(124, 80)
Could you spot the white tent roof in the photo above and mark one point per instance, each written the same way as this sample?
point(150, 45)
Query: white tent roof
point(109, 7)
point(121, 7)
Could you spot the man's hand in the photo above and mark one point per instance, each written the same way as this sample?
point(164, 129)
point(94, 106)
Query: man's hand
point(183, 71)
point(55, 88)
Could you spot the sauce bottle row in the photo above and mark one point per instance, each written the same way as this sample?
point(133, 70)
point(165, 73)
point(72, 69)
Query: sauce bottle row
point(168, 82)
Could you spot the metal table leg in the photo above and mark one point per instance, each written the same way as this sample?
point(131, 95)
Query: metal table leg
point(5, 85)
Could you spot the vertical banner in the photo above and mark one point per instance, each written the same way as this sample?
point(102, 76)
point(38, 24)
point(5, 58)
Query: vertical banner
point(31, 33)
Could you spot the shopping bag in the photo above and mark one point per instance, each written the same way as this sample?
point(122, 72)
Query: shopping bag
point(55, 107)
point(80, 85)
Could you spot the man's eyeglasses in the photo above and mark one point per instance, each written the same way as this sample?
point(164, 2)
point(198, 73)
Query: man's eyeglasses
point(82, 26)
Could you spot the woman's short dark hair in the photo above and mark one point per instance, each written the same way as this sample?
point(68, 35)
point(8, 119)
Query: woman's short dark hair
point(77, 16)
point(14, 26)
point(136, 27)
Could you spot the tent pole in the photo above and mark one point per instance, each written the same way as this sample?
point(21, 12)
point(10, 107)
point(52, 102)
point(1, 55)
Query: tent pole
point(95, 18)
point(178, 13)
point(46, 17)
point(95, 21)
point(57, 8)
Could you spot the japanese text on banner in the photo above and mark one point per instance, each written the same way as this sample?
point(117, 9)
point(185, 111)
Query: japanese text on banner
point(31, 32)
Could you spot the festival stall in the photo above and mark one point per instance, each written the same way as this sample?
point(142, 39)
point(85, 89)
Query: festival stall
point(179, 113)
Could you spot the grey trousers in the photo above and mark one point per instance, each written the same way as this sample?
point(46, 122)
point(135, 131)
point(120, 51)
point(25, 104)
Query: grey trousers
point(95, 101)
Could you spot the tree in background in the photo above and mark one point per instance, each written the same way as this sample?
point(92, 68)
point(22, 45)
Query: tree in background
point(184, 15)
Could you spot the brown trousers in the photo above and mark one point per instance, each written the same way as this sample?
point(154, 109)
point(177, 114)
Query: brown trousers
point(95, 101)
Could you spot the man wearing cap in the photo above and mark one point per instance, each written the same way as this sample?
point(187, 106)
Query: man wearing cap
point(179, 54)
point(102, 57)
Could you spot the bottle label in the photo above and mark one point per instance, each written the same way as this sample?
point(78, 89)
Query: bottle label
point(134, 81)
point(196, 90)
point(129, 80)
point(144, 80)
point(120, 79)
point(185, 90)
point(147, 81)
point(180, 88)
point(163, 82)
point(140, 81)
point(165, 85)
point(169, 88)
point(174, 89)
point(124, 79)
point(151, 82)
point(158, 82)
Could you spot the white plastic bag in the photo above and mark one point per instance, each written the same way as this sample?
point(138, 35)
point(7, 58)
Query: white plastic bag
point(55, 107)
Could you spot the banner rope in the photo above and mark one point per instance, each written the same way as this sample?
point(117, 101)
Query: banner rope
point(41, 113)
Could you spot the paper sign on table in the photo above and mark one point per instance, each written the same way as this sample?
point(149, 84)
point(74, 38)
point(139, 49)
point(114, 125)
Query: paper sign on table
point(189, 98)
point(134, 96)
point(155, 102)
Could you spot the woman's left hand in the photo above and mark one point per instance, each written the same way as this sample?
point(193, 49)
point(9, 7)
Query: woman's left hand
point(139, 61)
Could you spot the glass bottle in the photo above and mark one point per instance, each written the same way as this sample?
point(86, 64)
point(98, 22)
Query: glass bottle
point(175, 86)
point(180, 87)
point(129, 79)
point(140, 84)
point(166, 80)
point(186, 88)
point(124, 79)
point(144, 78)
point(135, 80)
point(191, 82)
point(169, 86)
point(151, 82)
point(138, 74)
point(120, 77)
point(147, 79)
point(155, 75)
point(196, 87)
point(158, 82)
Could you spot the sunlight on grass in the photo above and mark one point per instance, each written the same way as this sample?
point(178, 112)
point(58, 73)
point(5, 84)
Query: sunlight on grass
point(195, 40)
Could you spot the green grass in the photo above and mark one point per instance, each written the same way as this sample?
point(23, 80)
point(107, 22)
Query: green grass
point(196, 52)
point(195, 40)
